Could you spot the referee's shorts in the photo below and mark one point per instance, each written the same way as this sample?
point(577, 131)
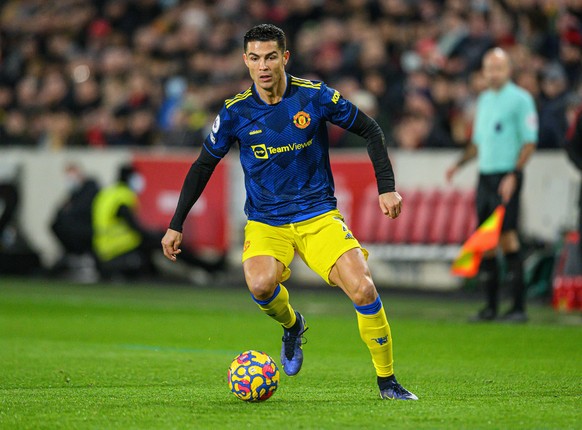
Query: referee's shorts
point(488, 199)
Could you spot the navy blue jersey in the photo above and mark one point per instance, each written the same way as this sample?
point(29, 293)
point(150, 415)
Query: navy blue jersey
point(284, 149)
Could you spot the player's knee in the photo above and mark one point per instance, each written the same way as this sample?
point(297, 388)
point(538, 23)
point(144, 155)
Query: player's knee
point(365, 293)
point(262, 286)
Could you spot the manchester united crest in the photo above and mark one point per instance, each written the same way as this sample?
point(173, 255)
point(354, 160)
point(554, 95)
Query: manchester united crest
point(301, 119)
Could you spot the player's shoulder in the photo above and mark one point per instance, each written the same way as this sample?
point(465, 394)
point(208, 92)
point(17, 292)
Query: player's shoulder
point(306, 83)
point(240, 97)
point(314, 90)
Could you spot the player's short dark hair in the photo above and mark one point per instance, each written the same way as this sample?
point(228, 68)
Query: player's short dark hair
point(266, 33)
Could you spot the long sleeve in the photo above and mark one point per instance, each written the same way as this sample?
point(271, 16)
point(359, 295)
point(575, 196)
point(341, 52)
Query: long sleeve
point(369, 129)
point(194, 183)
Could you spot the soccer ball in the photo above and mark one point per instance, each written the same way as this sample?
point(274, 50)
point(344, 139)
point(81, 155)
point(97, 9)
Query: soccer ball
point(253, 376)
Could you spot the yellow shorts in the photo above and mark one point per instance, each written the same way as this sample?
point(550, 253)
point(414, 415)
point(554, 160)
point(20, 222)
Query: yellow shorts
point(319, 241)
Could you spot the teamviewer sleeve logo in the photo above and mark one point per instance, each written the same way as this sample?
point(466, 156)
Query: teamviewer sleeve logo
point(260, 151)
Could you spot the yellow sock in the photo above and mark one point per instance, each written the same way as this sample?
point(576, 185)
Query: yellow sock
point(375, 332)
point(278, 307)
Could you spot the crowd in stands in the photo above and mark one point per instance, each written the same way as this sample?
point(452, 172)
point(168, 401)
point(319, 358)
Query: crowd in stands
point(110, 73)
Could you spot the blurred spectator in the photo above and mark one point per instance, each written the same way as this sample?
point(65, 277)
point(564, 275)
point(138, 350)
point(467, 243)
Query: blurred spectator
point(6, 100)
point(183, 117)
point(425, 122)
point(99, 67)
point(9, 200)
point(14, 130)
point(571, 54)
point(469, 51)
point(86, 96)
point(121, 244)
point(141, 127)
point(552, 107)
point(528, 80)
point(124, 247)
point(174, 91)
point(53, 92)
point(16, 254)
point(366, 102)
point(72, 222)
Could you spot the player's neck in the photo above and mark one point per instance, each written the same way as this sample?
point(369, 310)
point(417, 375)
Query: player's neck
point(275, 94)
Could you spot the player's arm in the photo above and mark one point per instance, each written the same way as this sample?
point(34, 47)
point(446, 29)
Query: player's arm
point(194, 183)
point(364, 126)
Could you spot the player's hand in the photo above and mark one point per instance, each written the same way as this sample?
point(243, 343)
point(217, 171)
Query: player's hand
point(391, 204)
point(171, 244)
point(451, 171)
point(507, 187)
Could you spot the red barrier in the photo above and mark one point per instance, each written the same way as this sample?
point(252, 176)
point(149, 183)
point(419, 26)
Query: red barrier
point(206, 227)
point(353, 177)
point(567, 283)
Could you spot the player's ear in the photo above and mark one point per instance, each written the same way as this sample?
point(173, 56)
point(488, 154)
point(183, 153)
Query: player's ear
point(245, 59)
point(286, 56)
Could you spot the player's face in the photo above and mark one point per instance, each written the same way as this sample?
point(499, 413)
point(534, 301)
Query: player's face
point(266, 64)
point(496, 70)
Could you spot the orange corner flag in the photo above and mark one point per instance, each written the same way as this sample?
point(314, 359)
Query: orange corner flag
point(486, 237)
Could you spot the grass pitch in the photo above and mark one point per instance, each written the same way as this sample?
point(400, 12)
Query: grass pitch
point(137, 356)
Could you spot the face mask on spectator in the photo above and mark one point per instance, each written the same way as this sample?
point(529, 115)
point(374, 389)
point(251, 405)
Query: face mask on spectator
point(136, 183)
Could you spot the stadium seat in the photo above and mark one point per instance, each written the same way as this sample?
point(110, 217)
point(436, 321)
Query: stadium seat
point(462, 218)
point(389, 228)
point(369, 216)
point(443, 217)
point(402, 226)
point(384, 228)
point(429, 217)
point(424, 217)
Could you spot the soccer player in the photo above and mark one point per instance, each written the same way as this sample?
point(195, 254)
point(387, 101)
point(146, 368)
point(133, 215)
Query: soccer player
point(504, 137)
point(279, 124)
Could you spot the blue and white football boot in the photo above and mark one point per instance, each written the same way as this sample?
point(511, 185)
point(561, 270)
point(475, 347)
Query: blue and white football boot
point(291, 352)
point(390, 389)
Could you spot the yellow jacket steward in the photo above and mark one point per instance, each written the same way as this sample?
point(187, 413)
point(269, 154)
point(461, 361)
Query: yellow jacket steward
point(112, 234)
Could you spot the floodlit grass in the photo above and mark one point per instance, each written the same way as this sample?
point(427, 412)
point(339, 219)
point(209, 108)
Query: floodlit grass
point(137, 356)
